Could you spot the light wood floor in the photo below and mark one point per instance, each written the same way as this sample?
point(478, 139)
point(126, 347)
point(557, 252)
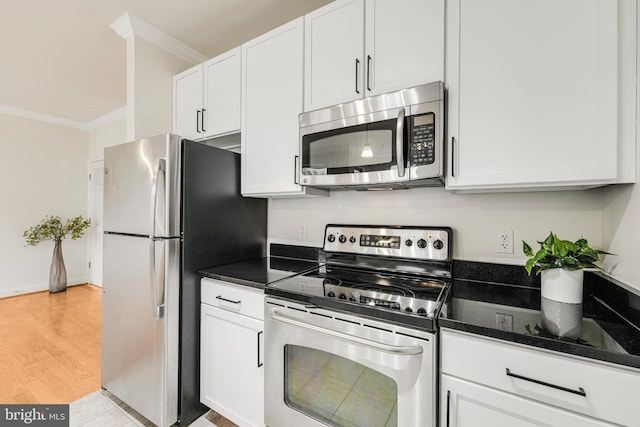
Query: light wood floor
point(50, 346)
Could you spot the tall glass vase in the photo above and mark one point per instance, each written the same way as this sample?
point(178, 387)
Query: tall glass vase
point(57, 273)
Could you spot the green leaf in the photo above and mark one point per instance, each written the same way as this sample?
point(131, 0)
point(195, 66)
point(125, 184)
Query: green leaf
point(527, 249)
point(52, 228)
point(558, 253)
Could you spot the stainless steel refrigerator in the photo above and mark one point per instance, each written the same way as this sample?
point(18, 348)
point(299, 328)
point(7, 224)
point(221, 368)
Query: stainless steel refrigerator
point(171, 207)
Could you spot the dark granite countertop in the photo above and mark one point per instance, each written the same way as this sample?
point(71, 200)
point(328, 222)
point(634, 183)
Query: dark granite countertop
point(285, 261)
point(503, 302)
point(258, 272)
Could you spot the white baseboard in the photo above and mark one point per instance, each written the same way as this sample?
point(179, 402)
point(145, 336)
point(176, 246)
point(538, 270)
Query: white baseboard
point(38, 287)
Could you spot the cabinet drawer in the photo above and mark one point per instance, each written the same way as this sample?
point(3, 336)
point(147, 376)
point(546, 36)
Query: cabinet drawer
point(236, 298)
point(596, 389)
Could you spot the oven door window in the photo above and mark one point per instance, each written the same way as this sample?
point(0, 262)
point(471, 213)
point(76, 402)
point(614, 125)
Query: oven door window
point(338, 391)
point(361, 148)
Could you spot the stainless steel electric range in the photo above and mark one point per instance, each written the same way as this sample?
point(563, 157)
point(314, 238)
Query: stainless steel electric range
point(354, 342)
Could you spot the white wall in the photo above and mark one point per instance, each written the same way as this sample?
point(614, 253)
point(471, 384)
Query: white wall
point(112, 133)
point(150, 72)
point(475, 218)
point(44, 171)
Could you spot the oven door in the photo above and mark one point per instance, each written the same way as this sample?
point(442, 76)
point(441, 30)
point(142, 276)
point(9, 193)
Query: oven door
point(363, 150)
point(327, 368)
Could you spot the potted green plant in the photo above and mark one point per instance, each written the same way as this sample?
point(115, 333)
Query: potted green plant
point(561, 264)
point(53, 228)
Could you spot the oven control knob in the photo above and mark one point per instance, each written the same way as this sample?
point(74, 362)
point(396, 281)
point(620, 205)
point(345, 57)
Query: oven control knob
point(352, 239)
point(437, 244)
point(331, 238)
point(422, 311)
point(352, 299)
point(342, 296)
point(422, 243)
point(408, 310)
point(408, 242)
point(330, 294)
point(342, 238)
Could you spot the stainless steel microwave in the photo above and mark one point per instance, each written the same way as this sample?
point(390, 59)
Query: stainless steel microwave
point(395, 140)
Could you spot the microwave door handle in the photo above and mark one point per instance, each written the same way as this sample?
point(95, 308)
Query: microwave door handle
point(400, 142)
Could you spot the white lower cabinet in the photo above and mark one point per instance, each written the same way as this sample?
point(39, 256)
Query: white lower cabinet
point(490, 382)
point(231, 352)
point(466, 404)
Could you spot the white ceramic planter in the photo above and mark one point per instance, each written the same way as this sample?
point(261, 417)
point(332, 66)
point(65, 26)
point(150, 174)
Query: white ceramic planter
point(561, 319)
point(562, 285)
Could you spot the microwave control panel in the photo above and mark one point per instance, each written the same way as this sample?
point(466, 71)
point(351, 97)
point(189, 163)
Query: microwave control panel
point(423, 137)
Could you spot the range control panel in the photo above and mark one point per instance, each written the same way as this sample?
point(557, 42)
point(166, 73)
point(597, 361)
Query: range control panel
point(430, 243)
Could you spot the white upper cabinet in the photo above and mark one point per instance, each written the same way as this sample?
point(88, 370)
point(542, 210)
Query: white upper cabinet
point(222, 79)
point(538, 93)
point(187, 103)
point(207, 98)
point(271, 102)
point(358, 48)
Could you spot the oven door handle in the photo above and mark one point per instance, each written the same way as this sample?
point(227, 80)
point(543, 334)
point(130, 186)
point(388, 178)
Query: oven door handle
point(392, 349)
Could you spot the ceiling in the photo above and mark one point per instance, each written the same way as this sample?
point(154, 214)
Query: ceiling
point(62, 59)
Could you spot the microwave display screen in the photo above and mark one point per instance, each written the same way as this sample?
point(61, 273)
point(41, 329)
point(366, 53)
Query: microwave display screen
point(425, 119)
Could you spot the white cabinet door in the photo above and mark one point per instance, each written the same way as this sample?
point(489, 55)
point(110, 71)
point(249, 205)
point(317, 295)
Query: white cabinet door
point(206, 98)
point(466, 404)
point(358, 48)
point(334, 44)
point(532, 93)
point(221, 108)
point(404, 44)
point(271, 102)
point(187, 103)
point(231, 372)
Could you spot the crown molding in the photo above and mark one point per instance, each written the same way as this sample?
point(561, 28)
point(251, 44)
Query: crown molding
point(118, 114)
point(27, 114)
point(129, 25)
point(47, 118)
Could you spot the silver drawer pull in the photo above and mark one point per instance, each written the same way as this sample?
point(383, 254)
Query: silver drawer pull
point(580, 390)
point(228, 300)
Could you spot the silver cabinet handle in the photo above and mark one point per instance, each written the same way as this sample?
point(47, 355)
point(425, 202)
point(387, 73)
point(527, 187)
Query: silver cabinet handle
point(580, 390)
point(393, 349)
point(204, 118)
point(448, 406)
point(295, 170)
point(198, 118)
point(400, 142)
point(357, 69)
point(260, 364)
point(228, 300)
point(369, 73)
point(453, 157)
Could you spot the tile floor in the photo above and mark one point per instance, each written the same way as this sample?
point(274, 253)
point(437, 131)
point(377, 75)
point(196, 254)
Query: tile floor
point(101, 408)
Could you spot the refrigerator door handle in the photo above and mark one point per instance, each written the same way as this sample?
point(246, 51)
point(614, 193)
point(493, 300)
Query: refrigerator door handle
point(157, 300)
point(161, 168)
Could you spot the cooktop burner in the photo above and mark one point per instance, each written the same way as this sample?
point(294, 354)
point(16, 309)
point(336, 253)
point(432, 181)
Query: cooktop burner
point(405, 281)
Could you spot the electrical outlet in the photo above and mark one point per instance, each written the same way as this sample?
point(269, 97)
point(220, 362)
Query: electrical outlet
point(504, 322)
point(504, 241)
point(302, 231)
